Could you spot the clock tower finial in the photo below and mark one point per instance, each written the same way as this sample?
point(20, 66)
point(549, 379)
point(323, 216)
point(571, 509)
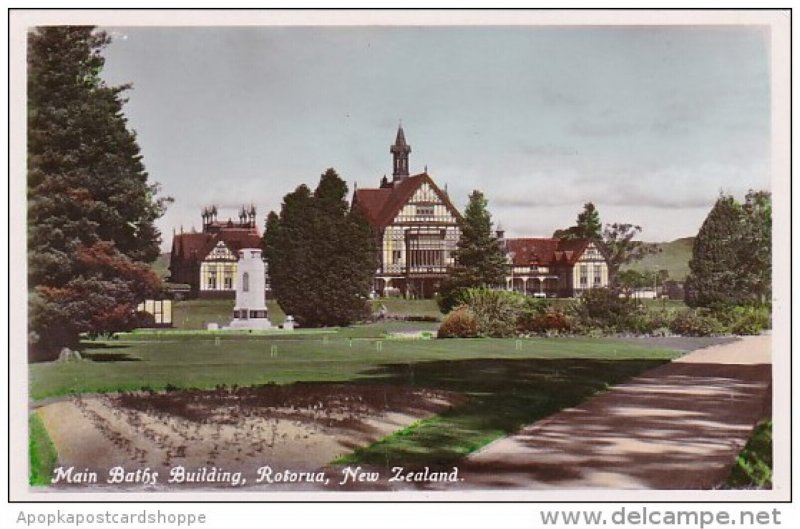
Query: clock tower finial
point(400, 151)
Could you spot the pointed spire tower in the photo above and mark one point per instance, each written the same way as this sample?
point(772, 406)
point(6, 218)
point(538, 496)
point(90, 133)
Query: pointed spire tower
point(400, 151)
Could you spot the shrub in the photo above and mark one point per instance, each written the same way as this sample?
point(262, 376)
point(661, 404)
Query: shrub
point(696, 322)
point(644, 321)
point(460, 323)
point(143, 320)
point(750, 320)
point(496, 311)
point(449, 296)
point(548, 320)
point(601, 308)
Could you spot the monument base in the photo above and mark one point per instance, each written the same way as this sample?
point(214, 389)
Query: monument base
point(251, 324)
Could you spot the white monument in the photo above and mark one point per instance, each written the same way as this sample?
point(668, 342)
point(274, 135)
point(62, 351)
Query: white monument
point(250, 311)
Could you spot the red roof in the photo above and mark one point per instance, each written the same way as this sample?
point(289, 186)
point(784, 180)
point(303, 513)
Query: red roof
point(545, 252)
point(196, 246)
point(381, 205)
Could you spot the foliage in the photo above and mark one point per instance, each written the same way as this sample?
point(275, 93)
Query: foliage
point(603, 308)
point(649, 322)
point(479, 257)
point(549, 320)
point(587, 225)
point(753, 467)
point(42, 453)
point(744, 320)
point(731, 256)
point(755, 247)
point(460, 323)
point(496, 311)
point(697, 322)
point(449, 295)
point(321, 255)
point(621, 249)
point(713, 279)
point(91, 210)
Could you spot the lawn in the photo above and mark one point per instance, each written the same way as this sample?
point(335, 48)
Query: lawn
point(201, 360)
point(198, 313)
point(41, 452)
point(408, 308)
point(507, 382)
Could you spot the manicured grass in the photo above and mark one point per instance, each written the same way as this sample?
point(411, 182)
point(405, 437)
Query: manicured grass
point(202, 361)
point(198, 313)
point(41, 452)
point(753, 467)
point(403, 308)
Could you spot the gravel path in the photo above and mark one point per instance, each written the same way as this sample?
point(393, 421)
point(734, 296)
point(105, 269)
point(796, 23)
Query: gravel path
point(679, 426)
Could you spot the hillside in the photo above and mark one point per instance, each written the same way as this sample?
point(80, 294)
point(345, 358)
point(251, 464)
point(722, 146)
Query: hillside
point(674, 256)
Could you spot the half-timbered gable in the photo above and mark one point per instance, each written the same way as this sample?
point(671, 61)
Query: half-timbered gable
point(207, 260)
point(416, 227)
point(554, 267)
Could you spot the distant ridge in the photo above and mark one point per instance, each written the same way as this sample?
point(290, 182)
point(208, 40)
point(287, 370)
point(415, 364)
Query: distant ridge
point(674, 256)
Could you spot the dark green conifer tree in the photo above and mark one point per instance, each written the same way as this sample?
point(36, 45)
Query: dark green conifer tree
point(321, 256)
point(480, 260)
point(91, 210)
point(714, 268)
point(587, 225)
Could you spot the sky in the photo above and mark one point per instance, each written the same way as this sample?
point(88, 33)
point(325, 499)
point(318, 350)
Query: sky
point(648, 123)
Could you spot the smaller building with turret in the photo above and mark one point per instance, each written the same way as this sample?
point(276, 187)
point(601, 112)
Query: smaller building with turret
point(207, 260)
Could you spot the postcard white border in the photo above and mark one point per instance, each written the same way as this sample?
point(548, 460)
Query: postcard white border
point(778, 21)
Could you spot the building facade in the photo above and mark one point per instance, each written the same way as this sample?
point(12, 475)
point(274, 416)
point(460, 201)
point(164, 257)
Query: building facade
point(554, 267)
point(207, 260)
point(416, 227)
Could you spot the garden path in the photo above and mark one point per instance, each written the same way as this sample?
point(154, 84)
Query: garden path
point(678, 426)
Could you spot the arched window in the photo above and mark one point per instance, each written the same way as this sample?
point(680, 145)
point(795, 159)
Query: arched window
point(245, 282)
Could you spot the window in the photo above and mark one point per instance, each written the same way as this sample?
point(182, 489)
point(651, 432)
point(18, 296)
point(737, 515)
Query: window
point(598, 274)
point(246, 282)
point(424, 211)
point(396, 255)
point(584, 275)
point(212, 280)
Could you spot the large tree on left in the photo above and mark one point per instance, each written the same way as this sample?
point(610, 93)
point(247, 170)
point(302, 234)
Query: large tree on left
point(91, 209)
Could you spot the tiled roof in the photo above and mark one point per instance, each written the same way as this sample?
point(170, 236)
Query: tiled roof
point(382, 205)
point(545, 252)
point(188, 247)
